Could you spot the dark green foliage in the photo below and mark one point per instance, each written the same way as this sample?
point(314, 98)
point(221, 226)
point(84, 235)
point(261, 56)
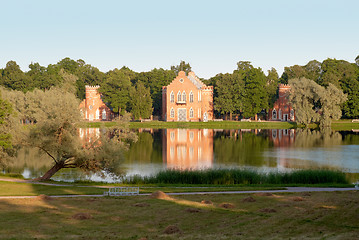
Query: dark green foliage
point(241, 176)
point(141, 102)
point(154, 80)
point(183, 66)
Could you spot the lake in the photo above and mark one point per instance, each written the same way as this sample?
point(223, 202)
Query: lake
point(264, 150)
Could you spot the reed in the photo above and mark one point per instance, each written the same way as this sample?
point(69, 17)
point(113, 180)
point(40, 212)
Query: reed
point(240, 176)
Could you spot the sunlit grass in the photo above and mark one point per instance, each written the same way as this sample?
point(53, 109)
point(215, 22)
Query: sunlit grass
point(319, 215)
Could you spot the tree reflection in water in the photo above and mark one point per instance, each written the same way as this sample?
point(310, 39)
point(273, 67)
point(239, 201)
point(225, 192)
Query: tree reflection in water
point(158, 149)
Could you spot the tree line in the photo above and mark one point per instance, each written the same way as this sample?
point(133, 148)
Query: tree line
point(246, 91)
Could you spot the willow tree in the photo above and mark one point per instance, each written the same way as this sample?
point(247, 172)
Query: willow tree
point(313, 103)
point(56, 135)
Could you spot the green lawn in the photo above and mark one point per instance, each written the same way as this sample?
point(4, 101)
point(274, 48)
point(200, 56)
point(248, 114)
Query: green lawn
point(336, 125)
point(318, 215)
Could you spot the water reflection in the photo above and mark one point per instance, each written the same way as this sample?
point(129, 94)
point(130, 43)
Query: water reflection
point(158, 149)
point(187, 148)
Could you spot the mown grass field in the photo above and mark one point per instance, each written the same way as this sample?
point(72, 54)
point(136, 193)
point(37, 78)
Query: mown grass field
point(320, 215)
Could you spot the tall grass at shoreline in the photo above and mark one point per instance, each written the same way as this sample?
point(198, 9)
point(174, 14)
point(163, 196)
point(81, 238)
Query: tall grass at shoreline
point(240, 176)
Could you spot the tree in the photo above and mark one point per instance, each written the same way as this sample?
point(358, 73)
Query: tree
point(313, 102)
point(255, 95)
point(13, 78)
point(227, 96)
point(357, 60)
point(183, 66)
point(272, 86)
point(141, 102)
point(5, 136)
point(295, 71)
point(56, 135)
point(116, 90)
point(155, 80)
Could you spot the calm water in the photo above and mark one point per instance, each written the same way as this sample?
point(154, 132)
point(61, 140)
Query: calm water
point(265, 150)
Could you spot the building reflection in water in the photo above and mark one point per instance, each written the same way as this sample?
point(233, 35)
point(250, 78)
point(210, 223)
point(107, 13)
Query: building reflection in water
point(187, 148)
point(89, 135)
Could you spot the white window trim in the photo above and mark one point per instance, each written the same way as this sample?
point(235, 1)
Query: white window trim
point(191, 113)
point(179, 96)
point(274, 111)
point(191, 97)
point(184, 96)
point(172, 100)
point(172, 113)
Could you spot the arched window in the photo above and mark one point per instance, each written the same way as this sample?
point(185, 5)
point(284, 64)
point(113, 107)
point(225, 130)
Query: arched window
point(191, 113)
point(291, 115)
point(172, 97)
point(179, 96)
point(103, 114)
point(184, 96)
point(97, 114)
point(274, 114)
point(172, 113)
point(191, 96)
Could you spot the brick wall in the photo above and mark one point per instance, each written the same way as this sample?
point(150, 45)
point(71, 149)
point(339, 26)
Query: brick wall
point(282, 109)
point(186, 98)
point(93, 108)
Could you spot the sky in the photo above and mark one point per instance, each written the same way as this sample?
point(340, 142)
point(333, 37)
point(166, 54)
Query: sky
point(211, 35)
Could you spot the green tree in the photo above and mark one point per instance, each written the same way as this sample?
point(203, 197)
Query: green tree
point(56, 135)
point(155, 80)
point(13, 78)
point(227, 96)
point(183, 66)
point(116, 90)
point(272, 86)
point(141, 102)
point(295, 71)
point(255, 95)
point(313, 102)
point(5, 136)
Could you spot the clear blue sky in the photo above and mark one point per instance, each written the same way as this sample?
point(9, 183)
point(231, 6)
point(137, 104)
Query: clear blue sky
point(211, 35)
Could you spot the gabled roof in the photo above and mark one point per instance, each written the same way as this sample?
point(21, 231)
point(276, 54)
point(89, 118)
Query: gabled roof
point(194, 79)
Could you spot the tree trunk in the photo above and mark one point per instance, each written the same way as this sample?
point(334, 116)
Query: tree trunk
point(50, 172)
point(230, 116)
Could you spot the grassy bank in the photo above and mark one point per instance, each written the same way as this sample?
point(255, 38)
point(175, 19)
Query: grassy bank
point(197, 125)
point(318, 215)
point(336, 125)
point(241, 176)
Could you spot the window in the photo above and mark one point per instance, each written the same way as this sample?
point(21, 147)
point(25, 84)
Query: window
point(90, 107)
point(179, 96)
point(280, 114)
point(274, 114)
point(172, 113)
point(191, 97)
point(191, 113)
point(184, 96)
point(172, 97)
point(181, 80)
point(97, 114)
point(103, 114)
point(291, 115)
point(172, 135)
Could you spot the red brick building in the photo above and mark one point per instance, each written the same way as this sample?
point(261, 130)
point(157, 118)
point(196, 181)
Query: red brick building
point(93, 108)
point(282, 109)
point(187, 148)
point(187, 98)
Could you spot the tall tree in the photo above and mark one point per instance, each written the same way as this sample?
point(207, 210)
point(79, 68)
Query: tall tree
point(183, 66)
point(13, 78)
point(255, 93)
point(5, 136)
point(141, 102)
point(116, 90)
point(272, 86)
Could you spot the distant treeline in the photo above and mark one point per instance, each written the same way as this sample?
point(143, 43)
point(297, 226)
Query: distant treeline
point(247, 91)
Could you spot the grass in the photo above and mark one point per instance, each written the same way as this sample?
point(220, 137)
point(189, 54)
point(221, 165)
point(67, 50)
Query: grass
point(29, 189)
point(318, 215)
point(197, 125)
point(336, 125)
point(241, 176)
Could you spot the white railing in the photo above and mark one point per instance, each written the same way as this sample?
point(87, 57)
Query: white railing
point(122, 191)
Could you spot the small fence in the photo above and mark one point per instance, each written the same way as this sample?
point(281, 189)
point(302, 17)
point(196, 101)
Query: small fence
point(122, 191)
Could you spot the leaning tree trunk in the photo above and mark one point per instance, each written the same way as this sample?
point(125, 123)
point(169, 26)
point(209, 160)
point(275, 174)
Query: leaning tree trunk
point(50, 172)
